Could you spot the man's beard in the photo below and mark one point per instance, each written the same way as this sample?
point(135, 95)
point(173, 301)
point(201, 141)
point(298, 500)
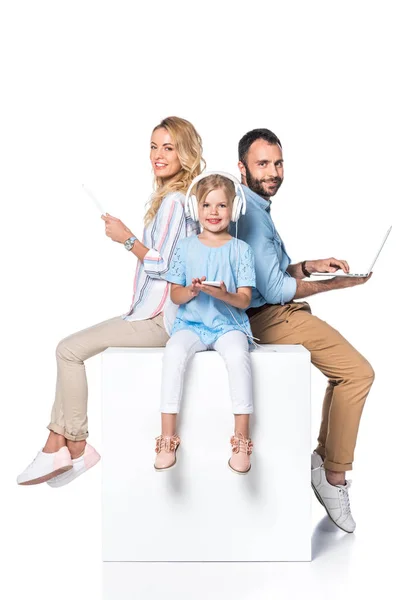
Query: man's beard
point(256, 184)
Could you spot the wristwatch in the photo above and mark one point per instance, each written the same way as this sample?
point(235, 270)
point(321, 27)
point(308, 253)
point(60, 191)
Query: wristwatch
point(129, 243)
point(303, 268)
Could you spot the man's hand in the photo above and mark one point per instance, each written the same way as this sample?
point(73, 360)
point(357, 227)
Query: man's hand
point(352, 281)
point(309, 288)
point(115, 229)
point(326, 265)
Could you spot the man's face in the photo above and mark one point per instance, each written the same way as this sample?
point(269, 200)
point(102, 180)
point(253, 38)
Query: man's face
point(262, 171)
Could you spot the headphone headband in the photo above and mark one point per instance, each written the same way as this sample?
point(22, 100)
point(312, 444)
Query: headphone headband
point(238, 187)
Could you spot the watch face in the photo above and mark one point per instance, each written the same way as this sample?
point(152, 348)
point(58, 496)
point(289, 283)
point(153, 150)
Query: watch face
point(129, 243)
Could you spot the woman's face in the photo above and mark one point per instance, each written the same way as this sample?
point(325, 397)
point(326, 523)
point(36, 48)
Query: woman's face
point(215, 211)
point(163, 155)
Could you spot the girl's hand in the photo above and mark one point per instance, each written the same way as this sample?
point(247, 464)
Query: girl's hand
point(193, 291)
point(115, 229)
point(219, 293)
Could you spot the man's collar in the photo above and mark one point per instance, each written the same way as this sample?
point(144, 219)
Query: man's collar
point(262, 202)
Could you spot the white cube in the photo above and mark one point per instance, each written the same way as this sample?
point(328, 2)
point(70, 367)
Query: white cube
point(200, 510)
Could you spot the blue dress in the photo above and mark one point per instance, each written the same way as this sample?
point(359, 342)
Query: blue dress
point(232, 263)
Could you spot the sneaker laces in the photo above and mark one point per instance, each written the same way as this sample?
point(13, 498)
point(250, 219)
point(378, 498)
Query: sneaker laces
point(34, 460)
point(344, 497)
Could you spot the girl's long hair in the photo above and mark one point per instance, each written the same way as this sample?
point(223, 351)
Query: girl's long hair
point(188, 145)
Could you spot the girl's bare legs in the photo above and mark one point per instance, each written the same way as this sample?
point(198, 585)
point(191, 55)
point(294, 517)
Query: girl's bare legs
point(242, 425)
point(241, 445)
point(55, 441)
point(168, 424)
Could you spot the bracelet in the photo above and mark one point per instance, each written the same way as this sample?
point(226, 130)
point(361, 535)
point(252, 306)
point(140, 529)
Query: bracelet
point(303, 268)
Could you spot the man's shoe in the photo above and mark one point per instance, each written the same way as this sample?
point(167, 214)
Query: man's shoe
point(316, 460)
point(45, 466)
point(334, 498)
point(79, 466)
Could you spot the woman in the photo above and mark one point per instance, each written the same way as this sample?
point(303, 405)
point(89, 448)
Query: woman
point(176, 158)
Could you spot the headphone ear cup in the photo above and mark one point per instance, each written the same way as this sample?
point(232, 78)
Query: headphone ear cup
point(194, 213)
point(236, 208)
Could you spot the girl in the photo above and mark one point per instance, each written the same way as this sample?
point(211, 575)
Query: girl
point(176, 158)
point(210, 318)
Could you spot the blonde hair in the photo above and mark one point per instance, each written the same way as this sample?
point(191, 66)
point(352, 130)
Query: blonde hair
point(215, 182)
point(188, 145)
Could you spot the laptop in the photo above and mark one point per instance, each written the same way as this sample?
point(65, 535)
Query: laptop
point(340, 273)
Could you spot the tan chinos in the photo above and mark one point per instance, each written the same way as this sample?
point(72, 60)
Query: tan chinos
point(69, 413)
point(350, 374)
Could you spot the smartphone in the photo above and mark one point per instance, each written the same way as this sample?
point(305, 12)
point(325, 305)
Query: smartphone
point(94, 199)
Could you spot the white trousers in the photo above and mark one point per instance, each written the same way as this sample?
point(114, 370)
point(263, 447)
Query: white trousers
point(234, 349)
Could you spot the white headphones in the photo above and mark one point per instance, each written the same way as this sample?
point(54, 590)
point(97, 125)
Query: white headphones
point(239, 201)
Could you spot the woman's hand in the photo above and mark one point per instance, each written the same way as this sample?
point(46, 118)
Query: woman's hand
point(115, 229)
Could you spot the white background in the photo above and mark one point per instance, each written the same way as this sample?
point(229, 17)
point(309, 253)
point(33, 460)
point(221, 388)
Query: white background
point(83, 84)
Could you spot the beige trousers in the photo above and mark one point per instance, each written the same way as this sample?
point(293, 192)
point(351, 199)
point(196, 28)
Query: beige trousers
point(350, 375)
point(69, 413)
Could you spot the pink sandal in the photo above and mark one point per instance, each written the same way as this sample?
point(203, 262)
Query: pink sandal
point(166, 447)
point(241, 450)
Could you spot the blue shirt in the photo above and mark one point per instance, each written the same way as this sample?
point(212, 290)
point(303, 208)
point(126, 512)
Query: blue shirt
point(232, 263)
point(274, 285)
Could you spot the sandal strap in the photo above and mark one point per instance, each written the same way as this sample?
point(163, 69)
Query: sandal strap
point(167, 443)
point(241, 444)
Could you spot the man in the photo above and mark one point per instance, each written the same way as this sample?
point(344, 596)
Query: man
point(276, 319)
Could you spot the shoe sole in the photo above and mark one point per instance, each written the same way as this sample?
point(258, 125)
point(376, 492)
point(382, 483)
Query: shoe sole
point(45, 478)
point(317, 496)
point(160, 469)
point(327, 512)
point(238, 472)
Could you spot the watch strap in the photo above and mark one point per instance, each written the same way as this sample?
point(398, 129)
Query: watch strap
point(303, 268)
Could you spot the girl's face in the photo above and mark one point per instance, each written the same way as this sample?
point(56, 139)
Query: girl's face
point(215, 211)
point(163, 155)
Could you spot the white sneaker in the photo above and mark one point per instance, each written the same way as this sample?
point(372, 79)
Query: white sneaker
point(334, 498)
point(46, 466)
point(79, 466)
point(316, 461)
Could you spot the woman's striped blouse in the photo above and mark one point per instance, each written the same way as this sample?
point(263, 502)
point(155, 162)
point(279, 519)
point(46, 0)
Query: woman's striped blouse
point(150, 290)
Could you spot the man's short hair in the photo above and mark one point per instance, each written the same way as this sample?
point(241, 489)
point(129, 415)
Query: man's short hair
point(252, 136)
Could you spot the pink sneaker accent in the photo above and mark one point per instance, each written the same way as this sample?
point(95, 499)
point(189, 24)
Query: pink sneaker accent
point(62, 458)
point(90, 457)
point(80, 465)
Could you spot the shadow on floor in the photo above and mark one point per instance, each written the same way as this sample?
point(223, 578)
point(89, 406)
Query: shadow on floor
point(327, 538)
